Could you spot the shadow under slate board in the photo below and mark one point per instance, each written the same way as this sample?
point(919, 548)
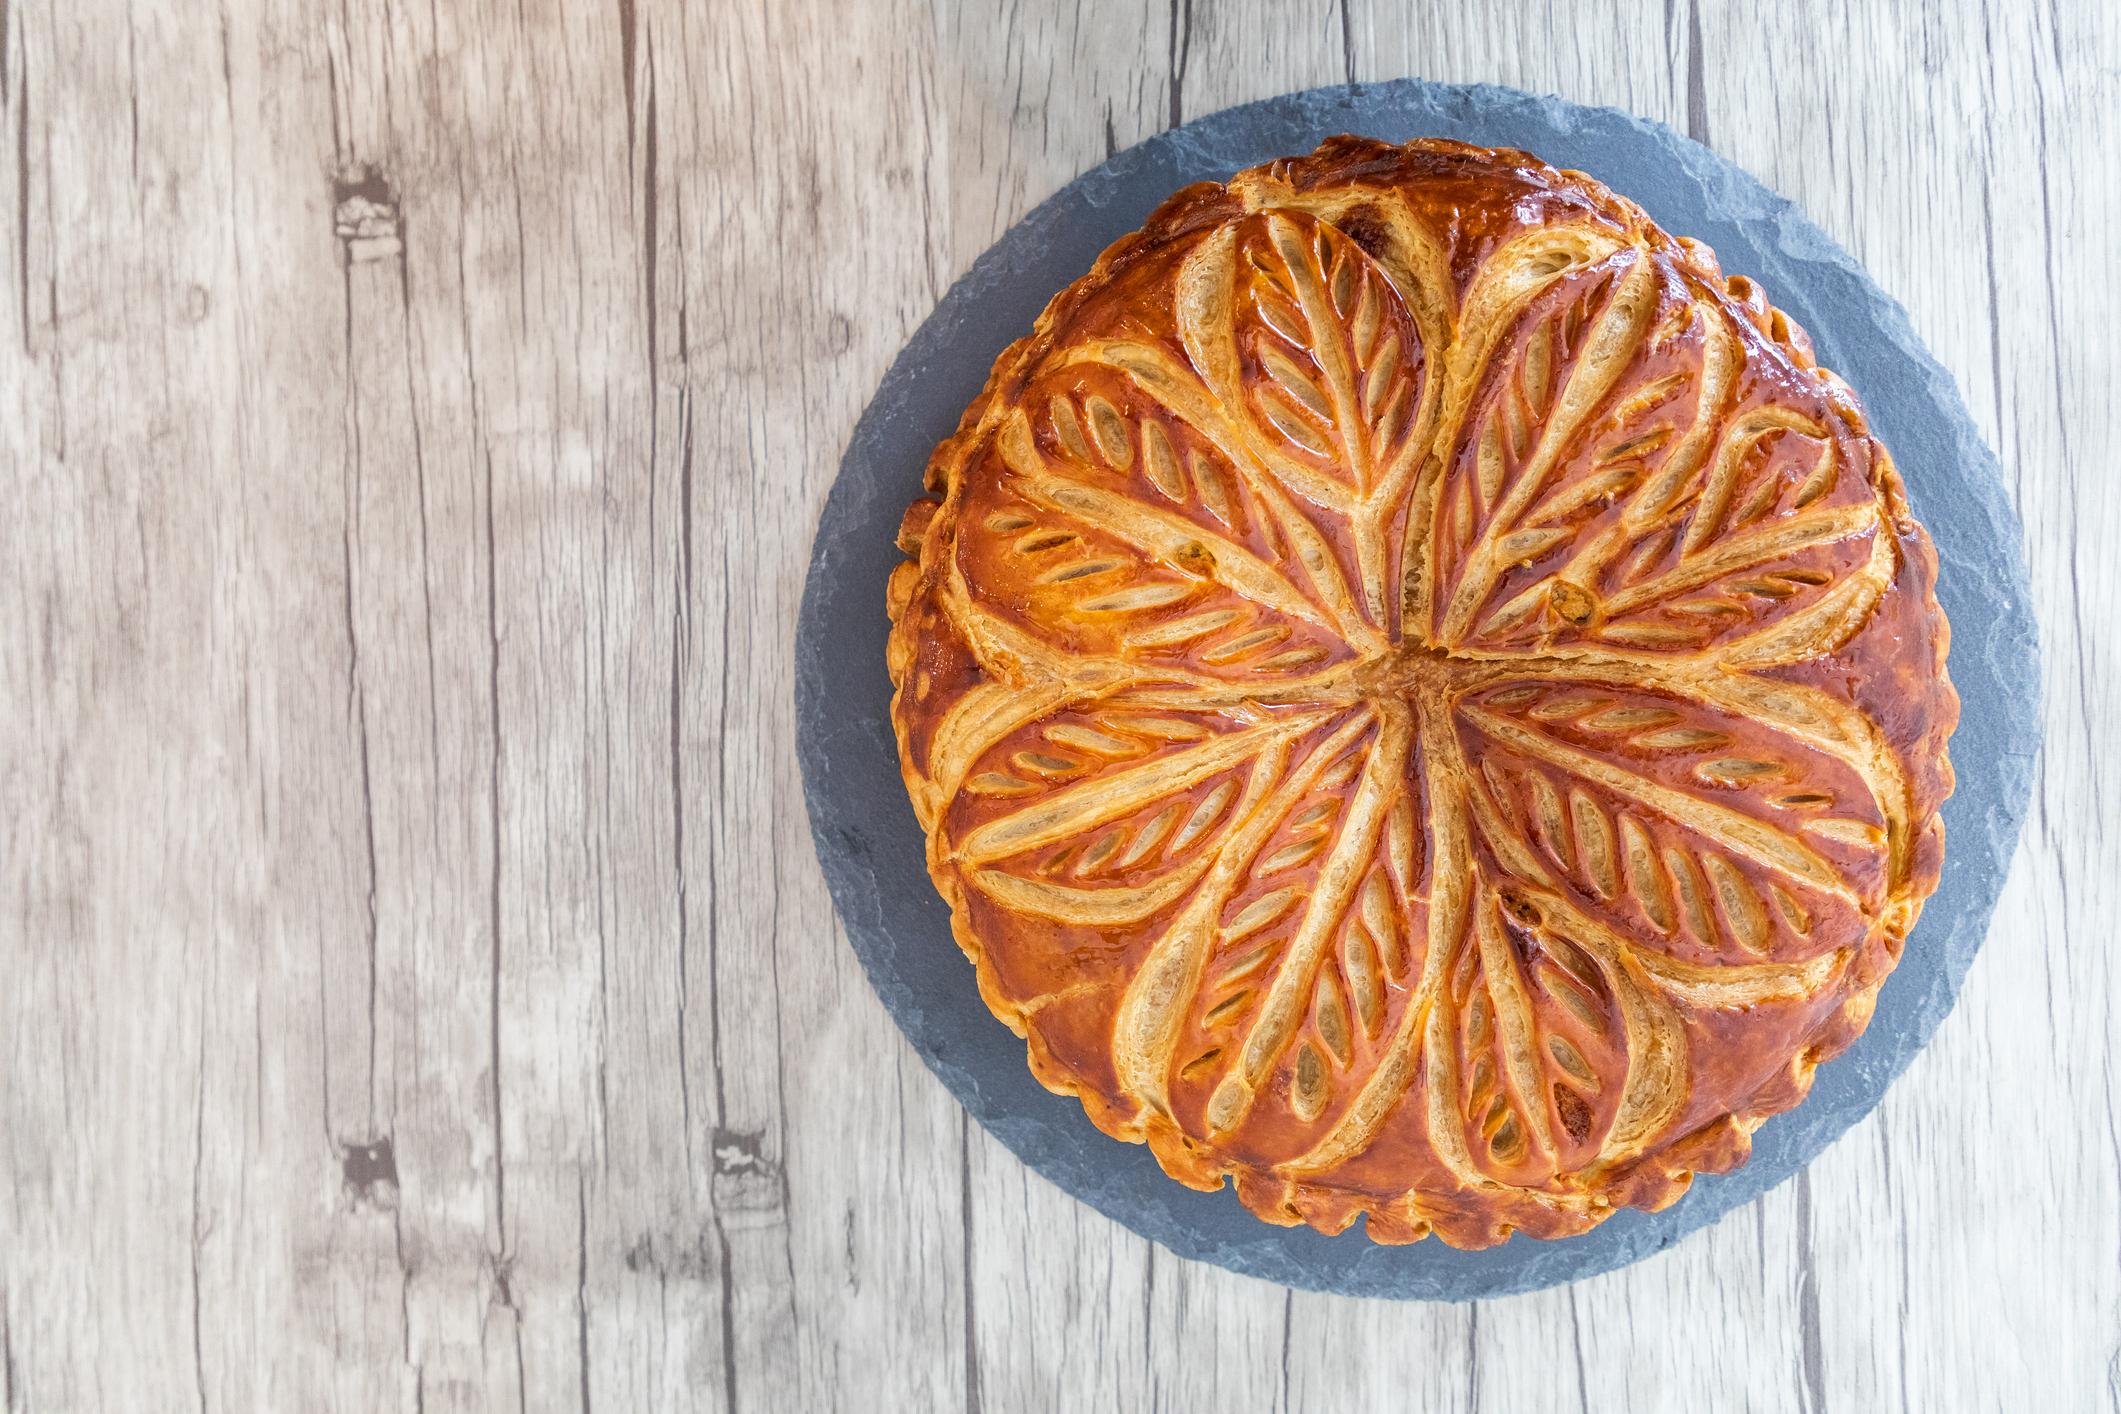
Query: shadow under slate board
point(872, 849)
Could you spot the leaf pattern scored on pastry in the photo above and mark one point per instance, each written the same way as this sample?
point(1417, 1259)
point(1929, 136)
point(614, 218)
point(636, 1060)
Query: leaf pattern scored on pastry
point(1363, 699)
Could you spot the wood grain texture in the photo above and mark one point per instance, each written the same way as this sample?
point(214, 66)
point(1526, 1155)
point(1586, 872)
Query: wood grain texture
point(419, 992)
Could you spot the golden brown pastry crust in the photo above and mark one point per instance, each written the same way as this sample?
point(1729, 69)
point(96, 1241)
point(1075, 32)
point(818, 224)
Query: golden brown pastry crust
point(1424, 699)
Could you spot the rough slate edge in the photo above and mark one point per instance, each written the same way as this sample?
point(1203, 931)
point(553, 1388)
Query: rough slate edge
point(871, 847)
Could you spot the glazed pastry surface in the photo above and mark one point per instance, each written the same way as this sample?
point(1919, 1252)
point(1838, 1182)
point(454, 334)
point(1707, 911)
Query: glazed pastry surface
point(1425, 701)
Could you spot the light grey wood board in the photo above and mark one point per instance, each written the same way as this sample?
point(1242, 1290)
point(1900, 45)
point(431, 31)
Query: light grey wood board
point(416, 989)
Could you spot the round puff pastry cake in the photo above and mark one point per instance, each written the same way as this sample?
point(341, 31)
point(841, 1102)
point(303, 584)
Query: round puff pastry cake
point(1424, 699)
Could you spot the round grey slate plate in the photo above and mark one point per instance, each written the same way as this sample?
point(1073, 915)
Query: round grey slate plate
point(871, 847)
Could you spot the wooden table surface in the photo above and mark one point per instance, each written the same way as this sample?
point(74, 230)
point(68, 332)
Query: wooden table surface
point(417, 990)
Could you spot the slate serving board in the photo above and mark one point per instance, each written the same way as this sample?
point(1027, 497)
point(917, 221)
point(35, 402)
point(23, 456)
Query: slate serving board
point(871, 847)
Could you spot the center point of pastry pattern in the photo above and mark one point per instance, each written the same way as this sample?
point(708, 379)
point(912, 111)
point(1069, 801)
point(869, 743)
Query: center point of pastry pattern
point(1377, 687)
